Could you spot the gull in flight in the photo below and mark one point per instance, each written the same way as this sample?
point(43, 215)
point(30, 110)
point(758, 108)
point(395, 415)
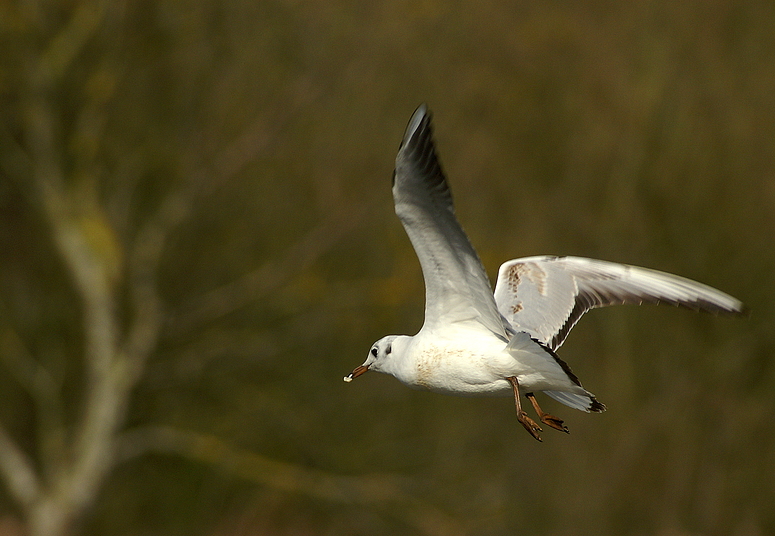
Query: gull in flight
point(478, 343)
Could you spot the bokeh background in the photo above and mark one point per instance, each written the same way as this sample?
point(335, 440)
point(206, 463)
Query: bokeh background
point(197, 242)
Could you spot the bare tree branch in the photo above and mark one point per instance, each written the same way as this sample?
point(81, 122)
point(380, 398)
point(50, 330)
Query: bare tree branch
point(66, 45)
point(88, 248)
point(73, 463)
point(79, 232)
point(18, 471)
point(44, 390)
point(384, 491)
point(274, 273)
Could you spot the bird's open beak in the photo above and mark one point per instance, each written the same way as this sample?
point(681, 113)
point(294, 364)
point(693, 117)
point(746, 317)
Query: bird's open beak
point(357, 371)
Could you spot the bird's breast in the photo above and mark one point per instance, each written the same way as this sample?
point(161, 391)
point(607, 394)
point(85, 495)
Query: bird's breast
point(456, 369)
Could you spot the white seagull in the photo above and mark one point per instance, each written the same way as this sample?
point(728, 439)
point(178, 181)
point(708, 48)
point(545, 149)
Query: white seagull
point(474, 343)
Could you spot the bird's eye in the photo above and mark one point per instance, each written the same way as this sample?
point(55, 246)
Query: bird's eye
point(374, 351)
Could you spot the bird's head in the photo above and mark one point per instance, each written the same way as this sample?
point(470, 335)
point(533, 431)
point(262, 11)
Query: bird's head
point(381, 356)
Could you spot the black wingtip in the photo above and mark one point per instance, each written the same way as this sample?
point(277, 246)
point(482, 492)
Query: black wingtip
point(417, 162)
point(420, 115)
point(743, 311)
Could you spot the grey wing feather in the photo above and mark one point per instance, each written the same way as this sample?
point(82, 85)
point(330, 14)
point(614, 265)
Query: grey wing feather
point(456, 285)
point(546, 295)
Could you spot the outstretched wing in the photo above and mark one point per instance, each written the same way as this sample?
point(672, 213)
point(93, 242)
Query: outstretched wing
point(456, 285)
point(546, 295)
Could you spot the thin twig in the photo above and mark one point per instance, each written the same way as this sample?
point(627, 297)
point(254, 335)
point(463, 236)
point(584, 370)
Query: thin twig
point(270, 276)
point(383, 491)
point(18, 471)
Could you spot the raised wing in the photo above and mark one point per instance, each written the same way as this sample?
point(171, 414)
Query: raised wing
point(456, 285)
point(546, 296)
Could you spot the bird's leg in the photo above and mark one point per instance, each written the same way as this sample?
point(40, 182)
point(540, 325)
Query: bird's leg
point(529, 424)
point(546, 418)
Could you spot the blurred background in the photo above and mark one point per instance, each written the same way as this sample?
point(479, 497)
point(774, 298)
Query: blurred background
point(197, 242)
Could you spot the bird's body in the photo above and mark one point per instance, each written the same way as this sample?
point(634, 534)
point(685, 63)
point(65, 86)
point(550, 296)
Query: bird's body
point(478, 343)
point(473, 362)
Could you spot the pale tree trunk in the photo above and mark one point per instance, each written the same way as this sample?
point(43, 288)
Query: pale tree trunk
point(55, 495)
point(55, 487)
point(56, 482)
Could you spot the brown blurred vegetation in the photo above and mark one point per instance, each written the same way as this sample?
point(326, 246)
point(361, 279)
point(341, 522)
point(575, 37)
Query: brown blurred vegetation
point(197, 242)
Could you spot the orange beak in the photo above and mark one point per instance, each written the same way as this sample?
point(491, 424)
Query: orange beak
point(357, 371)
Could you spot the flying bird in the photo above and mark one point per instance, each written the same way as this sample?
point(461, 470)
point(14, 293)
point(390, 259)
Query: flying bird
point(474, 342)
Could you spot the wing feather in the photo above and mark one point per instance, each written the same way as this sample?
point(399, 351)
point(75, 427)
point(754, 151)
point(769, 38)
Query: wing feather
point(547, 295)
point(456, 285)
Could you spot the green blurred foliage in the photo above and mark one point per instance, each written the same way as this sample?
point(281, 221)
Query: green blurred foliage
point(265, 131)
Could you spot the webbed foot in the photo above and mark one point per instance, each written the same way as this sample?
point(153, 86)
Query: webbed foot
point(546, 418)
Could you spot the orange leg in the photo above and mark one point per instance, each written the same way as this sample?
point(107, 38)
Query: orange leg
point(546, 418)
point(529, 424)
